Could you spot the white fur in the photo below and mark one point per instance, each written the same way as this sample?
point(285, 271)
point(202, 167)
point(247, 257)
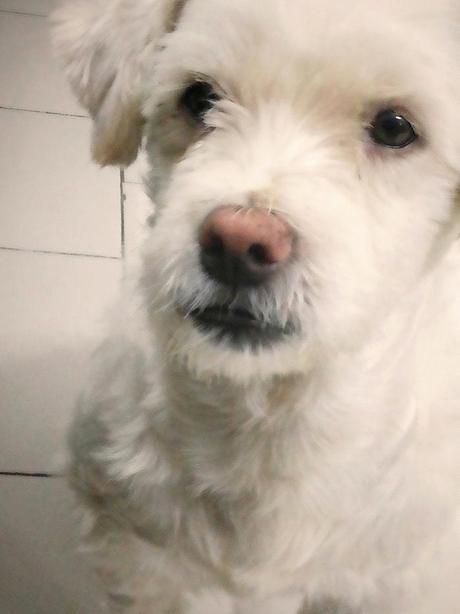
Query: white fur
point(326, 468)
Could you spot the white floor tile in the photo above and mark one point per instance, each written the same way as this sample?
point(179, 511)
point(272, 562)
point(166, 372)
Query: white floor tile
point(137, 208)
point(30, 76)
point(33, 7)
point(52, 312)
point(41, 571)
point(52, 196)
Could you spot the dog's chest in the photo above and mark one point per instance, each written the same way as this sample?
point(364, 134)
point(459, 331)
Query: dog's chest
point(258, 488)
point(240, 443)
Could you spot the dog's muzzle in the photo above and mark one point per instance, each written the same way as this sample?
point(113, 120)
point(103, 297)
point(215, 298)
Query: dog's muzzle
point(242, 249)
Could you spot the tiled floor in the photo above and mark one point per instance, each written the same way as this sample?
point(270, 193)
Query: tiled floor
point(62, 221)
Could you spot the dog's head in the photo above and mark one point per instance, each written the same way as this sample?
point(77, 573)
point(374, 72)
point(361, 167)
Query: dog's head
point(305, 159)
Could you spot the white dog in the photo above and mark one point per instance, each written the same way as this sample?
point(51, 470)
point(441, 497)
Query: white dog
point(278, 415)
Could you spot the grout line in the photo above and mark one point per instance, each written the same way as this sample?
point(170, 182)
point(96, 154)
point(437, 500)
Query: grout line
point(43, 112)
point(13, 12)
point(26, 474)
point(57, 253)
point(122, 213)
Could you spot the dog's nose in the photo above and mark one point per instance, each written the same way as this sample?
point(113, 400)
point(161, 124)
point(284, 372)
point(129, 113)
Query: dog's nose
point(244, 246)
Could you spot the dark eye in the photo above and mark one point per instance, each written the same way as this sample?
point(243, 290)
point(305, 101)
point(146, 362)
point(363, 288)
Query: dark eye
point(391, 129)
point(198, 99)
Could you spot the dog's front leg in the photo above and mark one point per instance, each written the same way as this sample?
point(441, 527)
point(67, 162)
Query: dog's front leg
point(153, 594)
point(282, 604)
point(160, 604)
point(136, 576)
point(328, 606)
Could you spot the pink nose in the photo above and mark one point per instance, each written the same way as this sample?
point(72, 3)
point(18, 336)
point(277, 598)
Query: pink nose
point(243, 247)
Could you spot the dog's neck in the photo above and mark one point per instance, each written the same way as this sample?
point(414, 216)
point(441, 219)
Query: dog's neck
point(309, 452)
point(247, 436)
point(280, 456)
point(353, 413)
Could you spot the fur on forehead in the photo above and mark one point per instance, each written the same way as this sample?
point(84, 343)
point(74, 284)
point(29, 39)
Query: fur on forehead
point(236, 42)
point(370, 53)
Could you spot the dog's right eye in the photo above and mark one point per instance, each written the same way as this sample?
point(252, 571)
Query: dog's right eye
point(198, 99)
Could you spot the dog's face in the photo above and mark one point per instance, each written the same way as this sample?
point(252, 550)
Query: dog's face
point(305, 159)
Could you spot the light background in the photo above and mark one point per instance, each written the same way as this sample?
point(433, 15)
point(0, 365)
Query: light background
point(67, 229)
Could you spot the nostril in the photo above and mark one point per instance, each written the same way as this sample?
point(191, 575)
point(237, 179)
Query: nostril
point(259, 255)
point(213, 245)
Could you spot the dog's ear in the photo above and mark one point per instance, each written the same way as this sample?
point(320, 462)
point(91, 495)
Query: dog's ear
point(104, 44)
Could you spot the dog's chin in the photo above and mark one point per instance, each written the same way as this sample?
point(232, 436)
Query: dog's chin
point(239, 328)
point(214, 343)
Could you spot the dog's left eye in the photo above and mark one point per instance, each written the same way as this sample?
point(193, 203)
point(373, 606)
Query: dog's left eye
point(198, 99)
point(392, 129)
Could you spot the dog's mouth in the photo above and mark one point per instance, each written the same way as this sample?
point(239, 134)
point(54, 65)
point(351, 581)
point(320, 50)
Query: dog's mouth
point(239, 326)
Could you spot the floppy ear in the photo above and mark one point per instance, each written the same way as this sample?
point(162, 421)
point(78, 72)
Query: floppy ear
point(104, 44)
